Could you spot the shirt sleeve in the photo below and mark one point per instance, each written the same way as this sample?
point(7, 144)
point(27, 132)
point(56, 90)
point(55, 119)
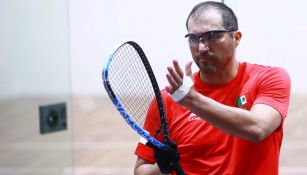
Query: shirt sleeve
point(144, 152)
point(274, 90)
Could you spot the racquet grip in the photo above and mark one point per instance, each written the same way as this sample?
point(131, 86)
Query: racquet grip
point(178, 169)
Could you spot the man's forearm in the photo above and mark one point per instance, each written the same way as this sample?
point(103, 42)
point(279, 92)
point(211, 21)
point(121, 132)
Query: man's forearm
point(252, 125)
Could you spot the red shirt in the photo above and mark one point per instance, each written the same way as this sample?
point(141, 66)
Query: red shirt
point(205, 149)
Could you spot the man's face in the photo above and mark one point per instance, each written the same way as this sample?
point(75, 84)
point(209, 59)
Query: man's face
point(211, 56)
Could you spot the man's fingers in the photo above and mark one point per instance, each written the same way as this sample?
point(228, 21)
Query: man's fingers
point(175, 76)
point(178, 68)
point(173, 84)
point(169, 89)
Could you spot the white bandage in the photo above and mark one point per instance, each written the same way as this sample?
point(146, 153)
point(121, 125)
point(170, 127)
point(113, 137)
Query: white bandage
point(184, 89)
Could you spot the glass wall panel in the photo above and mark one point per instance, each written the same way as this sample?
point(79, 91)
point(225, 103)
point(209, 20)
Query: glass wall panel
point(34, 72)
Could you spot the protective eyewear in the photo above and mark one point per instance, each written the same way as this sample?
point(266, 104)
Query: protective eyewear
point(209, 37)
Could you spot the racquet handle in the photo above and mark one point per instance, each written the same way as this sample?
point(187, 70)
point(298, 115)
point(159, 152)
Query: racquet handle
point(178, 169)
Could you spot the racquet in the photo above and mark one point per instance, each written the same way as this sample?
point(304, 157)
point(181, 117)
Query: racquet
point(132, 87)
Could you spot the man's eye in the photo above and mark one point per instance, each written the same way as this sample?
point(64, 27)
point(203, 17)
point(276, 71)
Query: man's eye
point(212, 36)
point(209, 36)
point(194, 38)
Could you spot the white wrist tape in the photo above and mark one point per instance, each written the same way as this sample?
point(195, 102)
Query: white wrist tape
point(184, 89)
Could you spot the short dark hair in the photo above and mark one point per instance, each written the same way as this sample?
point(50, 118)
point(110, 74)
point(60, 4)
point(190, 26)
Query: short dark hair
point(230, 21)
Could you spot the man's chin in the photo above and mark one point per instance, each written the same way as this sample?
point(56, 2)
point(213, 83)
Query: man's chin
point(208, 69)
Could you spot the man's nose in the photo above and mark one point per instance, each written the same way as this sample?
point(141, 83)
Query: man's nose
point(203, 46)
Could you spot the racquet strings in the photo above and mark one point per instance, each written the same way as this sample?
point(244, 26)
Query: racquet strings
point(131, 84)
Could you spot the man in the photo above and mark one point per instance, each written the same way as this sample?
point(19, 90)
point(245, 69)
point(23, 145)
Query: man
point(231, 120)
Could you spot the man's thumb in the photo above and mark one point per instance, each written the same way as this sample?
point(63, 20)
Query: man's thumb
point(188, 69)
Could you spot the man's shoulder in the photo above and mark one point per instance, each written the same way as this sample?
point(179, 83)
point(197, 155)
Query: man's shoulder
point(263, 69)
point(267, 73)
point(254, 66)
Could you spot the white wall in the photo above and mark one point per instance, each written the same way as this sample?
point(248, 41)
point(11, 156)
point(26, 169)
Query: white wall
point(273, 34)
point(34, 50)
point(35, 36)
point(98, 26)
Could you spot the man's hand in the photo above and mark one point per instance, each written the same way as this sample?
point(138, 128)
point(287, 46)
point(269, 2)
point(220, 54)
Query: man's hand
point(175, 75)
point(167, 157)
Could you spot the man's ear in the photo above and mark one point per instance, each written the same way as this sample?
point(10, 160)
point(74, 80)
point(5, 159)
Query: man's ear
point(237, 38)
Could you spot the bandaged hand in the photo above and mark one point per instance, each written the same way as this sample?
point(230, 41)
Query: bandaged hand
point(179, 83)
